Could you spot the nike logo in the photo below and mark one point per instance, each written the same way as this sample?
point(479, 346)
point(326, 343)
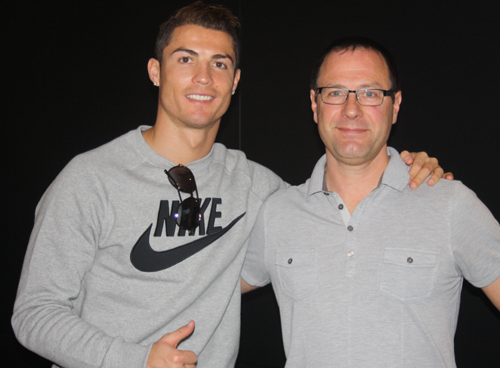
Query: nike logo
point(146, 259)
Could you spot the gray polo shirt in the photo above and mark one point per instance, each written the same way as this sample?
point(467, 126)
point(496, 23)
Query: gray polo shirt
point(380, 288)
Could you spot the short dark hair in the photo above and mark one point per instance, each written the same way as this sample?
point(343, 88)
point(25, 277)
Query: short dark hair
point(351, 44)
point(214, 17)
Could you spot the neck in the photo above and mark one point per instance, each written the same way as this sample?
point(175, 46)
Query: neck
point(354, 182)
point(181, 145)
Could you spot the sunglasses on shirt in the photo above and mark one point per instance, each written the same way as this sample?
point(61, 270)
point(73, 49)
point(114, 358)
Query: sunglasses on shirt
point(188, 215)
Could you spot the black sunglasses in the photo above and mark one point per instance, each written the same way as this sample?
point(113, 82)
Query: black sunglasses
point(188, 212)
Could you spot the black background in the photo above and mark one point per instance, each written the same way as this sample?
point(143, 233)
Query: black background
point(74, 77)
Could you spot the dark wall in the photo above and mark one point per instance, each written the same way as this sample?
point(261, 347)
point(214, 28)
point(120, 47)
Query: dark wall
point(74, 77)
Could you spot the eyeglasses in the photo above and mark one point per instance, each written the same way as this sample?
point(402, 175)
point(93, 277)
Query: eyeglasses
point(188, 214)
point(365, 97)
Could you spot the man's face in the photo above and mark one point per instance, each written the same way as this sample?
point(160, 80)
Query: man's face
point(196, 77)
point(354, 134)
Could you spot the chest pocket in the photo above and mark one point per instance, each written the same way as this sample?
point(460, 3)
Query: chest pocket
point(297, 272)
point(408, 274)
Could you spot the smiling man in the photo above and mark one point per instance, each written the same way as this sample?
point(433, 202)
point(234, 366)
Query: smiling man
point(146, 234)
point(368, 272)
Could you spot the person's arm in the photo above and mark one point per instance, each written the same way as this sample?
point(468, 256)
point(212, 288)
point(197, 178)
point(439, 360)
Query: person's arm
point(60, 254)
point(254, 267)
point(422, 166)
point(492, 291)
point(62, 250)
point(246, 287)
point(475, 238)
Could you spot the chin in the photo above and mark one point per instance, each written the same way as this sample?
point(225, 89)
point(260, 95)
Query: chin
point(201, 123)
point(353, 151)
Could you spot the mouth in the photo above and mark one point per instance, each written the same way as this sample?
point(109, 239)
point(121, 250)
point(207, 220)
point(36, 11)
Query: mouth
point(352, 130)
point(200, 97)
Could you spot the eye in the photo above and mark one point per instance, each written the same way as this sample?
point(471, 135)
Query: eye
point(335, 93)
point(220, 65)
point(371, 93)
point(185, 59)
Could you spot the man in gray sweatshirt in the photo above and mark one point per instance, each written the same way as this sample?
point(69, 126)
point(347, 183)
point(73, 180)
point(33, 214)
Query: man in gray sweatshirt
point(147, 234)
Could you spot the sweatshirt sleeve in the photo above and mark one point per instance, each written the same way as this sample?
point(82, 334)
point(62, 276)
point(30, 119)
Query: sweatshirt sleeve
point(60, 252)
point(254, 268)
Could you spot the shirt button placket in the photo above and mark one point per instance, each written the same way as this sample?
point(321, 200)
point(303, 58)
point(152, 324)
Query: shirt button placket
point(350, 251)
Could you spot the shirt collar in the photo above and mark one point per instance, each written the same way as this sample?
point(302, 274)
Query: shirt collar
point(155, 159)
point(317, 178)
point(395, 175)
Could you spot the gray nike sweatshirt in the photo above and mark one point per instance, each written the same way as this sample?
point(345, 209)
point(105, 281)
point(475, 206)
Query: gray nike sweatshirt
point(86, 300)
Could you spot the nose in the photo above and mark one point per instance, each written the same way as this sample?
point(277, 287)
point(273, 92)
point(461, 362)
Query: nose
point(351, 109)
point(203, 75)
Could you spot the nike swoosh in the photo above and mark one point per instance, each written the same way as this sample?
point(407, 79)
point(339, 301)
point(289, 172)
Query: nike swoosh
point(146, 259)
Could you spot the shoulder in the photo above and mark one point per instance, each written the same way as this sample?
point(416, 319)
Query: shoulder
point(446, 195)
point(120, 150)
point(287, 199)
point(95, 170)
point(105, 161)
point(235, 162)
point(443, 188)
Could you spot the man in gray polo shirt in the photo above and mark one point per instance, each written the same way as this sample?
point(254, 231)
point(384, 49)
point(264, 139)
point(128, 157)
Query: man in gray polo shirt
point(366, 271)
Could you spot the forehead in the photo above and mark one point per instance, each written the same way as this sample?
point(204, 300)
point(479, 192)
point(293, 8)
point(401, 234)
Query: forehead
point(350, 69)
point(198, 39)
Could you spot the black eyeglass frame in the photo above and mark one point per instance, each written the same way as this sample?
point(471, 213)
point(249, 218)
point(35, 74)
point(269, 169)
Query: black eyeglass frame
point(188, 214)
point(387, 92)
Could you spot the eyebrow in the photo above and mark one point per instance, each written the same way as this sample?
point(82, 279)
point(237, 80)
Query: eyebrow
point(374, 85)
point(370, 85)
point(190, 52)
point(194, 53)
point(223, 56)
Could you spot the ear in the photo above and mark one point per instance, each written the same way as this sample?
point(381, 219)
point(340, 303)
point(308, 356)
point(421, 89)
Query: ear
point(236, 79)
point(396, 105)
point(314, 105)
point(154, 71)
